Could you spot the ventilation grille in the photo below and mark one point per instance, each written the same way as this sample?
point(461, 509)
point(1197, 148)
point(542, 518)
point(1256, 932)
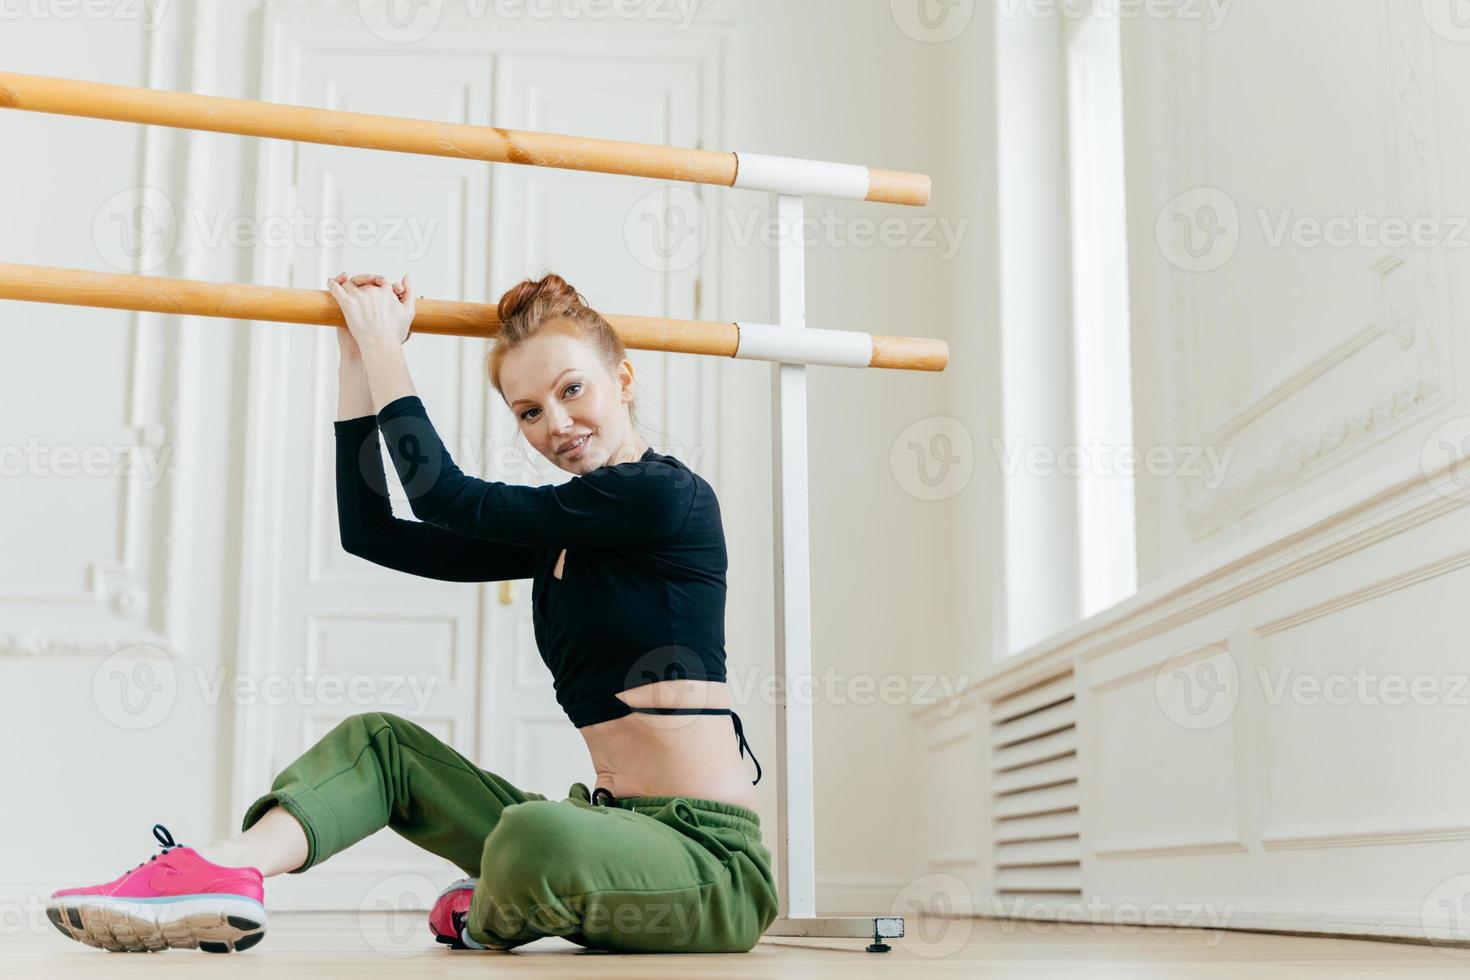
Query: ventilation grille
point(1033, 785)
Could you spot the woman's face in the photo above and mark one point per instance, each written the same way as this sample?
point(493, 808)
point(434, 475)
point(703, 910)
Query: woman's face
point(568, 406)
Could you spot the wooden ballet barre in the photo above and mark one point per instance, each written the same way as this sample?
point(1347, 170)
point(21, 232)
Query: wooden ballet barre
point(334, 127)
point(190, 297)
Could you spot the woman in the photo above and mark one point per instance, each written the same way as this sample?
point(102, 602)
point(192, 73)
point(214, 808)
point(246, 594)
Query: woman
point(628, 560)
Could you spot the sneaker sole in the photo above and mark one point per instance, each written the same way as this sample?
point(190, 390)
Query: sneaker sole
point(213, 923)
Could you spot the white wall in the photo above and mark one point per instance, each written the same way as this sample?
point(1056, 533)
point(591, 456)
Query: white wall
point(830, 80)
point(1333, 547)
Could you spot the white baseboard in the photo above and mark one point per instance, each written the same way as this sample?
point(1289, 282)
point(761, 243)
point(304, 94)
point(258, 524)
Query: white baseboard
point(845, 894)
point(1399, 922)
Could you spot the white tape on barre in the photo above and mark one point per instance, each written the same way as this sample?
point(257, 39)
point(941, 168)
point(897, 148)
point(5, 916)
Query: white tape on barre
point(788, 175)
point(804, 345)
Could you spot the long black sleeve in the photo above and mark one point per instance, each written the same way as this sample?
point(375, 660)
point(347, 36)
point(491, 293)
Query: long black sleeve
point(634, 503)
point(369, 529)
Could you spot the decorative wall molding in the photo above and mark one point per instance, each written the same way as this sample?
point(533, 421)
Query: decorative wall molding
point(1168, 845)
point(511, 14)
point(1375, 510)
point(39, 642)
point(142, 595)
point(1410, 312)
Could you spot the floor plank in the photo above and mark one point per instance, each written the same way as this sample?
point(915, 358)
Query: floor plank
point(322, 946)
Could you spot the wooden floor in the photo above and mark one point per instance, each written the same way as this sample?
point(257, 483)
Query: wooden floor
point(329, 945)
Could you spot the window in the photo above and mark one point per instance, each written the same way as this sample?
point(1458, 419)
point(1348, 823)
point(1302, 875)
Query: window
point(1066, 446)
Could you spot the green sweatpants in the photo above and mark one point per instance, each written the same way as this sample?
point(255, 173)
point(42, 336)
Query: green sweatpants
point(641, 874)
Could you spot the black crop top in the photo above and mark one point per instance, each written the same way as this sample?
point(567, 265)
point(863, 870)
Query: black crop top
point(642, 593)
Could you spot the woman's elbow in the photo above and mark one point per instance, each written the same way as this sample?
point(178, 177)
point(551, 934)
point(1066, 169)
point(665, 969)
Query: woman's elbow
point(353, 543)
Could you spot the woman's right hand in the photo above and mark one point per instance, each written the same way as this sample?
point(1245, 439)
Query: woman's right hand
point(346, 343)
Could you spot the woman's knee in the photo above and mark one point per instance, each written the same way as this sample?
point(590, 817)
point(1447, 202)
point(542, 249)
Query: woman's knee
point(374, 721)
point(527, 844)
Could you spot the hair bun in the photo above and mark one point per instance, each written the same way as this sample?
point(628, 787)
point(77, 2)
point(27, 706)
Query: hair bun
point(549, 292)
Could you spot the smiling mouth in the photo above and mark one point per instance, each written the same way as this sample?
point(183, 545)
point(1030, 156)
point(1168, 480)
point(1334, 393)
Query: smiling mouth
point(566, 449)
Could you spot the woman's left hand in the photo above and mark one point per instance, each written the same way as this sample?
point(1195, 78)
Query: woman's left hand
point(377, 315)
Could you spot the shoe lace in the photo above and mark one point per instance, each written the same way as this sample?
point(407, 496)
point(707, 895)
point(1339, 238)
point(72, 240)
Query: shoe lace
point(161, 834)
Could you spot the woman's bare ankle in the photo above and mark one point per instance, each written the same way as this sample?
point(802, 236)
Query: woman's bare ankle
point(274, 844)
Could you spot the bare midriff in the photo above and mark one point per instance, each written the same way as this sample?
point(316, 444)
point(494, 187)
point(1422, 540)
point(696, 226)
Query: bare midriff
point(672, 755)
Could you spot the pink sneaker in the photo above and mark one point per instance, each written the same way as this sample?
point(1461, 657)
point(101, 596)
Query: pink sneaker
point(174, 899)
point(446, 918)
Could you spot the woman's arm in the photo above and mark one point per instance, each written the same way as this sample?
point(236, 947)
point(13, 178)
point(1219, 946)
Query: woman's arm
point(369, 530)
point(642, 502)
point(365, 518)
point(624, 504)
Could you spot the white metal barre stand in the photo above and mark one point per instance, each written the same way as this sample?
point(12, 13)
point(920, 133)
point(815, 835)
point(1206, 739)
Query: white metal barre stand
point(796, 845)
